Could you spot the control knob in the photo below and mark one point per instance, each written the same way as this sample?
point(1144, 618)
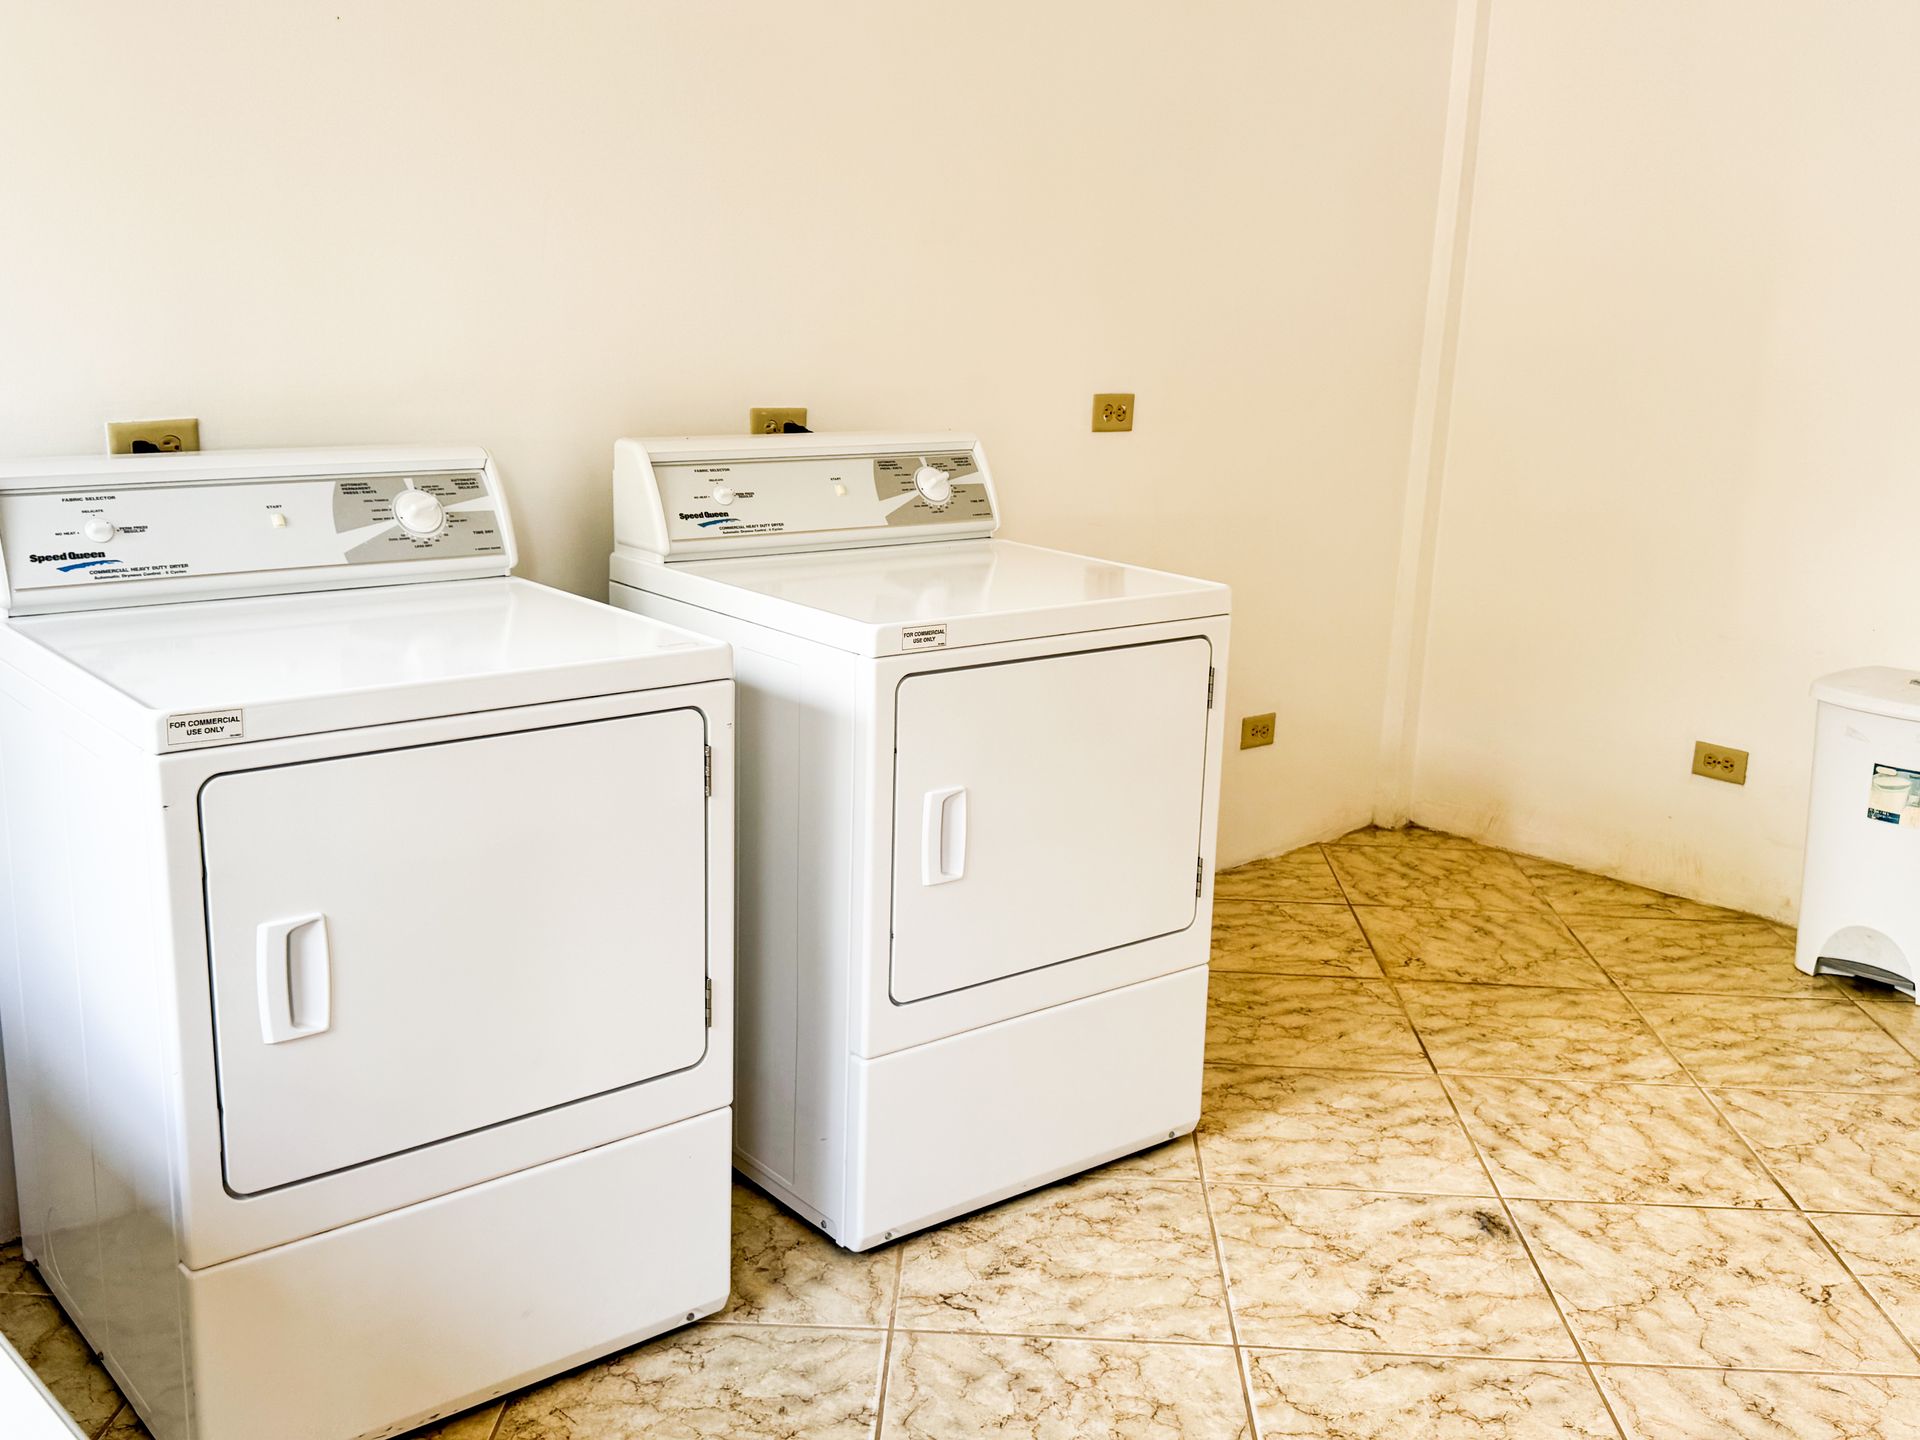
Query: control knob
point(99, 530)
point(418, 512)
point(723, 495)
point(934, 484)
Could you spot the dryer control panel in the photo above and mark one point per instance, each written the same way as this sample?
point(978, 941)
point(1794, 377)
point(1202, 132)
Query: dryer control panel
point(141, 530)
point(699, 497)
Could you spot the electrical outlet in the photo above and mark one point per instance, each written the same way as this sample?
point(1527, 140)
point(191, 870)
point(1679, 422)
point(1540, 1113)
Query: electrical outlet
point(773, 419)
point(1112, 412)
point(1256, 730)
point(152, 437)
point(1720, 762)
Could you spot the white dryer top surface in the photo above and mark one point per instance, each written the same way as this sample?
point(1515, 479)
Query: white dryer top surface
point(305, 663)
point(976, 592)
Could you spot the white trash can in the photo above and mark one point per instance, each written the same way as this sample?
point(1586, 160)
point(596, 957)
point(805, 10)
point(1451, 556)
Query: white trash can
point(1860, 892)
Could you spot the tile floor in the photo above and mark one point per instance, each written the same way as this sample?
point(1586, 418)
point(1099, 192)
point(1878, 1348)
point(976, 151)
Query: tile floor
point(1493, 1149)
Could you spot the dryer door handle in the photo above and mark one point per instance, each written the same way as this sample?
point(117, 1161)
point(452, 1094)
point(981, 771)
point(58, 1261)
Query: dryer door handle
point(943, 835)
point(295, 977)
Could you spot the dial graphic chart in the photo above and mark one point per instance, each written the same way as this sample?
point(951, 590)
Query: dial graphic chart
point(707, 500)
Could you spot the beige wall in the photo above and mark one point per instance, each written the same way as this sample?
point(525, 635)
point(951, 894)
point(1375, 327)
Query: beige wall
point(1684, 445)
point(540, 227)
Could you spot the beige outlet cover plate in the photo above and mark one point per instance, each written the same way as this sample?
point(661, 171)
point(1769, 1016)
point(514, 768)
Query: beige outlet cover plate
point(1720, 762)
point(1257, 730)
point(774, 419)
point(1113, 412)
point(152, 437)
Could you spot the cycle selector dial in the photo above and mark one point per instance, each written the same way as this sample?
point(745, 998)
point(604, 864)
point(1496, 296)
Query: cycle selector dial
point(99, 530)
point(934, 484)
point(418, 512)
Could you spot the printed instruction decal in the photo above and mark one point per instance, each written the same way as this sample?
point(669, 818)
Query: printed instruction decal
point(205, 727)
point(1895, 797)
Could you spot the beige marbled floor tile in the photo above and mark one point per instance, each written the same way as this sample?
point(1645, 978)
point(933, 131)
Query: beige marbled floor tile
point(1478, 946)
point(1581, 892)
point(1729, 957)
point(55, 1351)
point(1741, 1289)
point(1637, 1144)
point(785, 1272)
point(1899, 1018)
point(1772, 1043)
point(1336, 1128)
point(1287, 939)
point(1406, 835)
point(1300, 875)
point(1303, 1395)
point(1174, 1160)
point(1884, 1251)
point(1288, 1020)
point(471, 1425)
point(477, 1424)
point(1515, 1030)
point(713, 1382)
point(17, 1277)
point(957, 1387)
point(1341, 1269)
point(1115, 1258)
point(1744, 1405)
point(1438, 876)
point(1834, 1151)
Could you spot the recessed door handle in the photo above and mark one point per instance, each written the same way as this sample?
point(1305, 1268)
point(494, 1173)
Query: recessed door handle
point(295, 973)
point(943, 836)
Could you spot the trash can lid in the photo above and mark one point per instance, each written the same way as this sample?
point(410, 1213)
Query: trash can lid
point(1876, 689)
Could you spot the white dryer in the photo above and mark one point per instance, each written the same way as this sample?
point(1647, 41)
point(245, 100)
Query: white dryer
point(978, 792)
point(365, 972)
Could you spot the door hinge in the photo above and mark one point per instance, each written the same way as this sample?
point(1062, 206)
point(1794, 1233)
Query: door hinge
point(1209, 687)
point(709, 1002)
point(1199, 875)
point(709, 777)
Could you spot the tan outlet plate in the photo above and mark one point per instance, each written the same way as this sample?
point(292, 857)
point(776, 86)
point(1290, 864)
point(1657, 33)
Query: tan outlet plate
point(152, 437)
point(1113, 412)
point(774, 419)
point(1256, 730)
point(1720, 762)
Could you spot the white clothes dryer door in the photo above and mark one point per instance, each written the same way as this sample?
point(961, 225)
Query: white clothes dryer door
point(416, 943)
point(1045, 810)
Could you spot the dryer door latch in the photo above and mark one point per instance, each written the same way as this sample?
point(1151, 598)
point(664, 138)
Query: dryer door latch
point(943, 835)
point(294, 970)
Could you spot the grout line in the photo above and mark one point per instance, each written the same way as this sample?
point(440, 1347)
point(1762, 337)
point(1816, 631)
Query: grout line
point(1457, 1356)
point(1080, 1337)
point(1231, 1183)
point(1798, 1210)
point(886, 1348)
point(847, 1327)
point(1226, 1289)
point(1867, 1008)
point(1513, 1223)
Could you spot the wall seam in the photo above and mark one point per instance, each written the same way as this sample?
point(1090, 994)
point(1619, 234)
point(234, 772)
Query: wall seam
point(1432, 413)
